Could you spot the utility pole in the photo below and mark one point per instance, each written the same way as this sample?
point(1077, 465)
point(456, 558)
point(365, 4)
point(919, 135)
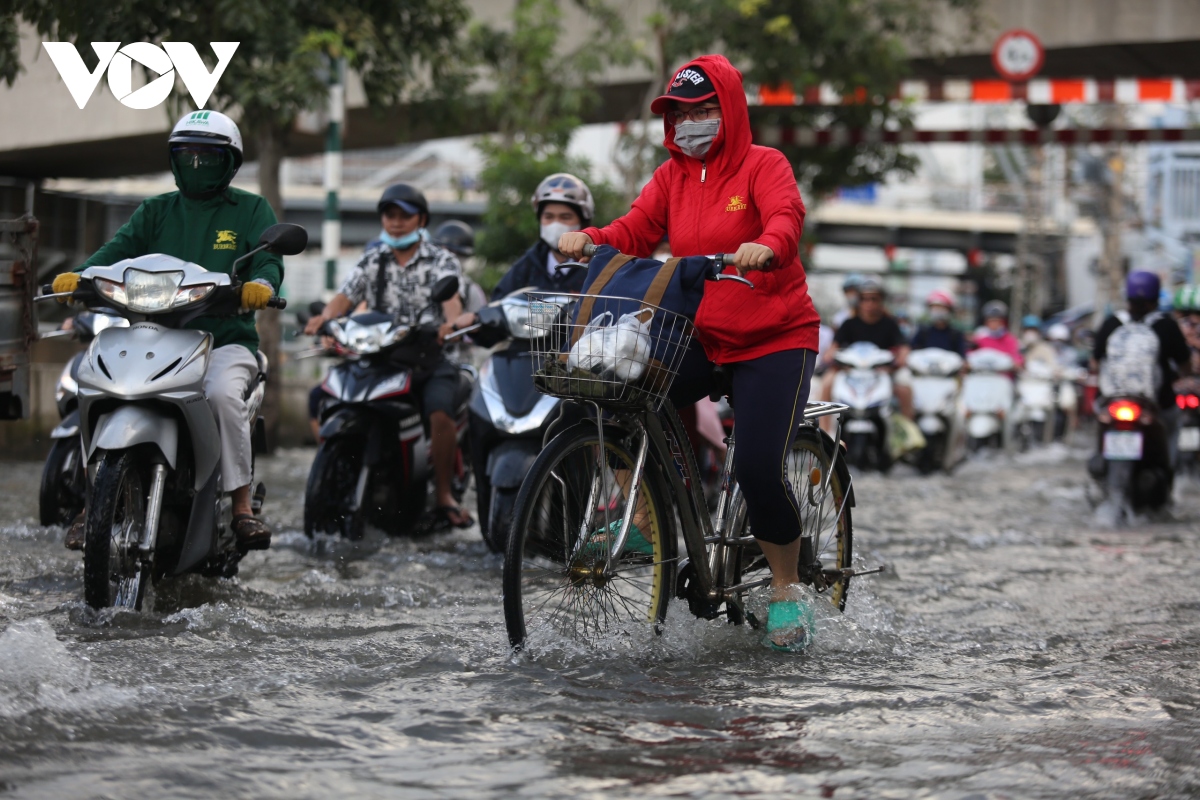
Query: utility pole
point(1029, 269)
point(1113, 266)
point(1108, 287)
point(331, 228)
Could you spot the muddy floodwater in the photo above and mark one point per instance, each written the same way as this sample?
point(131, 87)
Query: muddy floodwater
point(1013, 650)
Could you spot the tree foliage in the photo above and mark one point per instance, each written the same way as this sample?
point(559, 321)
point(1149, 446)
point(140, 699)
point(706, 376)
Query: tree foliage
point(859, 46)
point(402, 49)
point(509, 178)
point(282, 62)
point(538, 96)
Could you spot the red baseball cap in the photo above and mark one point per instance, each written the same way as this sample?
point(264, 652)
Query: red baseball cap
point(690, 85)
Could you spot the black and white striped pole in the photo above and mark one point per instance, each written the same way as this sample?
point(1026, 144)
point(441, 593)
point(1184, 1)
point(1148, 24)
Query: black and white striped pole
point(331, 228)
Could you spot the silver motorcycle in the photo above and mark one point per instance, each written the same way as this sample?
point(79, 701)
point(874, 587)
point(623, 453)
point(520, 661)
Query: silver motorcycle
point(157, 506)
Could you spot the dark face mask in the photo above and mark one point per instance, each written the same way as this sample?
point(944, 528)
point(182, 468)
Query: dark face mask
point(201, 173)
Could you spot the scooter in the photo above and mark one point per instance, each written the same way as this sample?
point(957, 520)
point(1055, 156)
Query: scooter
point(1133, 462)
point(988, 398)
point(63, 489)
point(509, 417)
point(1035, 413)
point(1187, 398)
point(157, 505)
point(866, 387)
point(373, 461)
point(937, 402)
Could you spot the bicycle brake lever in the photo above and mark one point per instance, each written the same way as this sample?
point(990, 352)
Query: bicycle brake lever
point(738, 278)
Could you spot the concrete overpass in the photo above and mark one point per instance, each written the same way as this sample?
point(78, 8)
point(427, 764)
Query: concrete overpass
point(43, 134)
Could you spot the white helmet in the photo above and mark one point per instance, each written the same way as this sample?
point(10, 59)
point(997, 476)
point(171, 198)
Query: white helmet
point(209, 127)
point(1058, 332)
point(562, 187)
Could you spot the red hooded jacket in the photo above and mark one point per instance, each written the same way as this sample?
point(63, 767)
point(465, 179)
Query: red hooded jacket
point(739, 193)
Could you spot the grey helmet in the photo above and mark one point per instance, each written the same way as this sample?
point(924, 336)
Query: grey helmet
point(209, 127)
point(563, 187)
point(995, 309)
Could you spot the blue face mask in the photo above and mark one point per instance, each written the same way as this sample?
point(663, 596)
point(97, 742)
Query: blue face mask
point(403, 242)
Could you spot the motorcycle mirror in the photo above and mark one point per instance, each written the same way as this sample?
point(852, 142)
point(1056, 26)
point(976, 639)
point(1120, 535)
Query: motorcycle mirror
point(284, 238)
point(315, 308)
point(444, 289)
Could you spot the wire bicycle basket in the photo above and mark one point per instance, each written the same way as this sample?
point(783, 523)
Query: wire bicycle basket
point(617, 352)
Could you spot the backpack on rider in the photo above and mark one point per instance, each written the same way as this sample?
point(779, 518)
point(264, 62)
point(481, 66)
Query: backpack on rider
point(1131, 363)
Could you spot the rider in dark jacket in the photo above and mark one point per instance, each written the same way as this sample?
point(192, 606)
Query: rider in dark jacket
point(563, 203)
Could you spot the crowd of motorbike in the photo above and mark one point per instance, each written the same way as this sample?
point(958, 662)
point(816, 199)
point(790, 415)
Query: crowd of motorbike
point(372, 467)
point(984, 399)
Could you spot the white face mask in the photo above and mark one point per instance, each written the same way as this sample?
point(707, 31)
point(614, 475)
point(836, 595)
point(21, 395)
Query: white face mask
point(695, 138)
point(554, 231)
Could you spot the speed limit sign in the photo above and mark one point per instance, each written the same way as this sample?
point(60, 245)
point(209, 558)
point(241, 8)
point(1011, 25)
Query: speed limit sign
point(1018, 55)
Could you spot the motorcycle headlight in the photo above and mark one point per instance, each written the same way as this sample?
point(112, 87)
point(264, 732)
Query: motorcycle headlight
point(193, 294)
point(366, 339)
point(151, 292)
point(516, 316)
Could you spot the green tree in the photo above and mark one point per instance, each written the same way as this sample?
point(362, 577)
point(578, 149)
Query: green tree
point(538, 100)
point(859, 46)
point(401, 50)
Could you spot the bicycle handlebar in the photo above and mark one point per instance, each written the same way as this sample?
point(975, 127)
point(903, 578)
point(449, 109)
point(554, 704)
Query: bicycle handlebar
point(718, 262)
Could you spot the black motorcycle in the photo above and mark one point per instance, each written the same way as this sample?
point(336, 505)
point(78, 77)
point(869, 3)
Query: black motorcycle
point(1133, 462)
point(373, 461)
point(64, 476)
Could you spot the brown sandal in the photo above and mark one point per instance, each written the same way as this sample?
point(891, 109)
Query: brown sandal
point(252, 533)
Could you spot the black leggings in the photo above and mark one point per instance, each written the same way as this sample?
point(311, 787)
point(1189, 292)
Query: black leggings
point(770, 393)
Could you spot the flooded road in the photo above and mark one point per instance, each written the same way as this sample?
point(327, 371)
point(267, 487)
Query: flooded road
point(1013, 649)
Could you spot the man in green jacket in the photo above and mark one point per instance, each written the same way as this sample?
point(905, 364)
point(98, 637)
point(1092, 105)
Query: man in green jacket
point(211, 224)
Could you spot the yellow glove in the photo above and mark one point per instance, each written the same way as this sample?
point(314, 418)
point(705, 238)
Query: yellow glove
point(66, 282)
point(255, 295)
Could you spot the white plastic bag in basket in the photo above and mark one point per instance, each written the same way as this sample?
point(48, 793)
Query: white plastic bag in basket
point(598, 339)
point(632, 345)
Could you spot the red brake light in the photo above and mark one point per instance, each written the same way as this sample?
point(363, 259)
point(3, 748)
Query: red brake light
point(1124, 410)
point(1180, 401)
point(1193, 401)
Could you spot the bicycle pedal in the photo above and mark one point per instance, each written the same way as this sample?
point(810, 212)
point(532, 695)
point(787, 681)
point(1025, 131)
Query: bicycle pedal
point(753, 620)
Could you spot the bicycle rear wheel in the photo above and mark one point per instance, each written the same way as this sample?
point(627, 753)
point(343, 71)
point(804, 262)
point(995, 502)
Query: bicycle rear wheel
point(824, 515)
point(555, 578)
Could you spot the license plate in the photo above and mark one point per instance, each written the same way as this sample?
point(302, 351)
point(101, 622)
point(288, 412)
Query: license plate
point(1123, 445)
point(1189, 440)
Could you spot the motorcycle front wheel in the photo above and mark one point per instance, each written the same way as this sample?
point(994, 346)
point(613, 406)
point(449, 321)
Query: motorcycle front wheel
point(113, 574)
point(63, 483)
point(332, 485)
point(500, 515)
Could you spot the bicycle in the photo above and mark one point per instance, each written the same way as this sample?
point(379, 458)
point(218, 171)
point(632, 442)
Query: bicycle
point(593, 546)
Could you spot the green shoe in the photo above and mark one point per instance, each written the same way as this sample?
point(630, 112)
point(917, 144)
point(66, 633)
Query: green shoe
point(634, 542)
point(786, 617)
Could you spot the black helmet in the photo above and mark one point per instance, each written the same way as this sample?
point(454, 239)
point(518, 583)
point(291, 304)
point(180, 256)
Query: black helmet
point(408, 197)
point(456, 236)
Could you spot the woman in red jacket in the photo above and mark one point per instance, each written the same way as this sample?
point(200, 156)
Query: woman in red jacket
point(720, 193)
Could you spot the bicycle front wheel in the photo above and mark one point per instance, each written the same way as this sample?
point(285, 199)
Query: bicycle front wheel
point(558, 579)
point(824, 516)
